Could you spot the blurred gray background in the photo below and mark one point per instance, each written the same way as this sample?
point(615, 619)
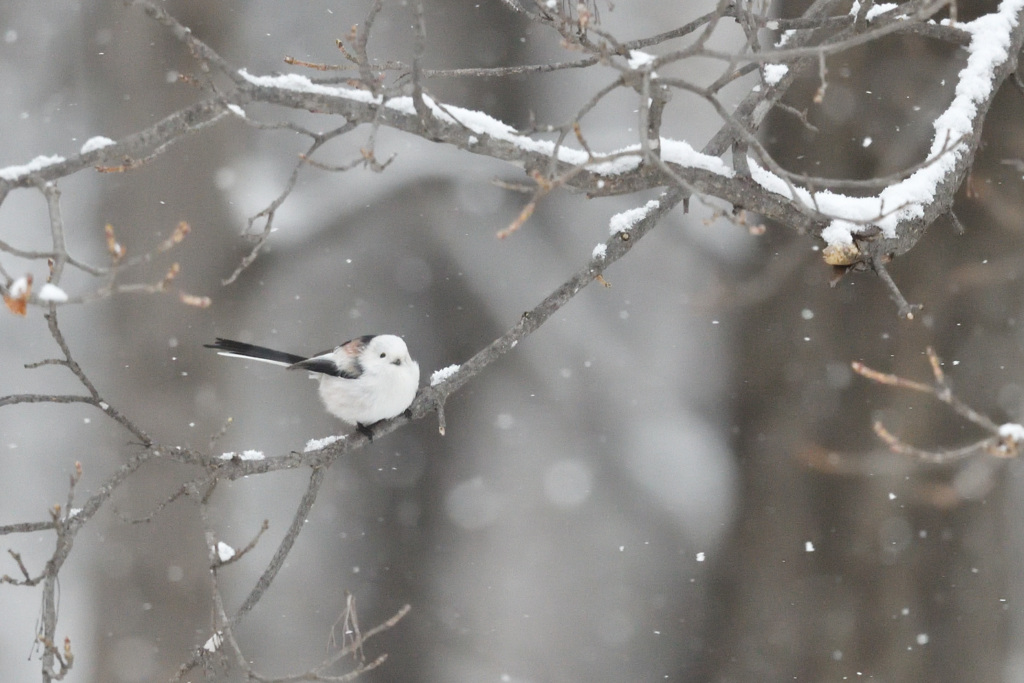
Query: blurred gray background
point(630, 494)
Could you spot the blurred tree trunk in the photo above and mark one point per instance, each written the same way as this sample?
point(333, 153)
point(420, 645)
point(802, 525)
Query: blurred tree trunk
point(147, 563)
point(847, 559)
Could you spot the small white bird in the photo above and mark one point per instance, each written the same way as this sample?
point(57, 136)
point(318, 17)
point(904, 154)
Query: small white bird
point(362, 382)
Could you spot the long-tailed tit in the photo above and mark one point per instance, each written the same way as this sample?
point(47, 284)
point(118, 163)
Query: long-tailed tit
point(362, 382)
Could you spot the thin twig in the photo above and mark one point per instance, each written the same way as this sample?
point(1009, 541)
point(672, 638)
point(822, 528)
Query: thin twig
point(1002, 443)
point(905, 308)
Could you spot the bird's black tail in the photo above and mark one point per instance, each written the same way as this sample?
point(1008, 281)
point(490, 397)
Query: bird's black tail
point(237, 348)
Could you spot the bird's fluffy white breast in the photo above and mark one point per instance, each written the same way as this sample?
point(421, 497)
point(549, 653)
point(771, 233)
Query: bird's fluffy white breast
point(373, 396)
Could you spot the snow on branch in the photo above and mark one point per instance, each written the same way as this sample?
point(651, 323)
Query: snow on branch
point(994, 41)
point(884, 224)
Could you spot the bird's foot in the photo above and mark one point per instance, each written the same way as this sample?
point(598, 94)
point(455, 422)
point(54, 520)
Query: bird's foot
point(366, 431)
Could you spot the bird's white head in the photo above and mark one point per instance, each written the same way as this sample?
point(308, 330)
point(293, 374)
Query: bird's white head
point(387, 353)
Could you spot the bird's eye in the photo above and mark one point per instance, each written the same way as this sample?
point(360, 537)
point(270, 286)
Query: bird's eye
point(383, 355)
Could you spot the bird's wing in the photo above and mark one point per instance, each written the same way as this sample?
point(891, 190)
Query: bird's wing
point(342, 361)
point(326, 365)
